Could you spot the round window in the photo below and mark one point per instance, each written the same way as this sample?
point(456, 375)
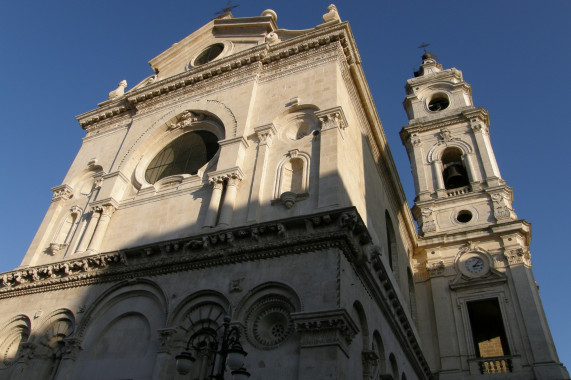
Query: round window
point(185, 155)
point(438, 102)
point(209, 54)
point(464, 216)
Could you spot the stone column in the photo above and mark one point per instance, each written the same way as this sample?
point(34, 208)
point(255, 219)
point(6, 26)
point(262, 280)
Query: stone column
point(106, 211)
point(212, 212)
point(473, 174)
point(227, 209)
point(89, 229)
point(69, 357)
point(437, 172)
point(265, 135)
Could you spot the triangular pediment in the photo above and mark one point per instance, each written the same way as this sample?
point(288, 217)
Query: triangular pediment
point(230, 35)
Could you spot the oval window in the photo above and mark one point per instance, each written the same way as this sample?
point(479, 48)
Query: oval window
point(438, 102)
point(209, 54)
point(185, 155)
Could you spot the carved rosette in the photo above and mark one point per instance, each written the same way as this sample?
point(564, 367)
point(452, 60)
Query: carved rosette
point(62, 192)
point(328, 328)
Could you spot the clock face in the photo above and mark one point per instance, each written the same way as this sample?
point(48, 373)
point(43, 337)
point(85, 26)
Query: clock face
point(474, 265)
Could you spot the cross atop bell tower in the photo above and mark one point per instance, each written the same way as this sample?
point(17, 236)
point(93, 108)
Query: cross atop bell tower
point(457, 180)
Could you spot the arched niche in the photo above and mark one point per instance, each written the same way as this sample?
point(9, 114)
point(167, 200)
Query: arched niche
point(292, 178)
point(119, 333)
point(13, 336)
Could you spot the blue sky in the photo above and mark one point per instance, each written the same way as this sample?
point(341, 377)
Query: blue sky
point(61, 58)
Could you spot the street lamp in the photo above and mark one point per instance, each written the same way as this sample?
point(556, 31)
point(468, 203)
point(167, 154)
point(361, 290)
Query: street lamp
point(228, 349)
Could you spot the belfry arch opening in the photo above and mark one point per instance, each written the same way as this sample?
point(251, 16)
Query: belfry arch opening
point(454, 173)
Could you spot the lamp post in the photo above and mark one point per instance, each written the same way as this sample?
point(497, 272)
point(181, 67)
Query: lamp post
point(228, 350)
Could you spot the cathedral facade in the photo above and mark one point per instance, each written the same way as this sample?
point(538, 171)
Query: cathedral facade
point(243, 199)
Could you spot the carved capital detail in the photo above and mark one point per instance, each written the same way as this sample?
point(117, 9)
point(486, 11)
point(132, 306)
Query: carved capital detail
point(62, 192)
point(71, 349)
point(327, 328)
point(332, 118)
point(518, 256)
point(265, 134)
point(165, 336)
point(435, 269)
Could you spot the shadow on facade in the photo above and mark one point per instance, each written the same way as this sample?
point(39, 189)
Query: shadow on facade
point(126, 314)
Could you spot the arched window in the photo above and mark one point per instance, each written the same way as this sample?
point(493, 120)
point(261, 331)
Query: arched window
point(454, 173)
point(185, 155)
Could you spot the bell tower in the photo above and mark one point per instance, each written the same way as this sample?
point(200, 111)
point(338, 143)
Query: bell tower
point(473, 257)
point(457, 180)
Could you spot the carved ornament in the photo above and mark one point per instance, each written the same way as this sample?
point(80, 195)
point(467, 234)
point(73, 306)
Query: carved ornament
point(186, 119)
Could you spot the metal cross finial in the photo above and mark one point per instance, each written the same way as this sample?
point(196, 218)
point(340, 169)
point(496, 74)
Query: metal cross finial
point(227, 8)
point(423, 46)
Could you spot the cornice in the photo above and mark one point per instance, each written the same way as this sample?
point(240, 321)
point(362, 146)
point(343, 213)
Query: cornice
point(463, 116)
point(263, 53)
point(477, 234)
point(341, 229)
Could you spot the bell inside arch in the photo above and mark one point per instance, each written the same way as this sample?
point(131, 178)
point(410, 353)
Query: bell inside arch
point(455, 176)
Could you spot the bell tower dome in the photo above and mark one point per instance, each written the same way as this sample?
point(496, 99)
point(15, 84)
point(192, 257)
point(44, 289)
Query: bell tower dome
point(457, 180)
